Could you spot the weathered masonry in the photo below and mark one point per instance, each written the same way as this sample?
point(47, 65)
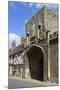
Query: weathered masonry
point(42, 35)
point(40, 51)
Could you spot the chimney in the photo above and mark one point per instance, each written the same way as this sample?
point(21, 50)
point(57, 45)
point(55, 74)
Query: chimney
point(23, 41)
point(13, 43)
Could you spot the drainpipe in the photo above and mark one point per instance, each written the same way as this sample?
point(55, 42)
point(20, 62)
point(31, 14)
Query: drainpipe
point(48, 54)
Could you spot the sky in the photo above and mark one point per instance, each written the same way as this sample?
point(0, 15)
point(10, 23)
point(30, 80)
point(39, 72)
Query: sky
point(18, 15)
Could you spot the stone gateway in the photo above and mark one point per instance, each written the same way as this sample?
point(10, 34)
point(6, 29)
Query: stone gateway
point(38, 52)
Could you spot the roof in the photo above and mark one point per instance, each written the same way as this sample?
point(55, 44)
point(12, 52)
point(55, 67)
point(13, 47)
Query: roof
point(16, 50)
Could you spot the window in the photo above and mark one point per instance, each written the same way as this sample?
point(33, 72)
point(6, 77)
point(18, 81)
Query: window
point(39, 31)
point(39, 27)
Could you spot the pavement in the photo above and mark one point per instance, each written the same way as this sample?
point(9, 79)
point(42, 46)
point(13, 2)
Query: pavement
point(16, 82)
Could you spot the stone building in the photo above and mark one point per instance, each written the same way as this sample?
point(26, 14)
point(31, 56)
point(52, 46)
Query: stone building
point(41, 49)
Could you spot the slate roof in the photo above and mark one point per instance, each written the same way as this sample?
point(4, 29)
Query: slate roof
point(16, 50)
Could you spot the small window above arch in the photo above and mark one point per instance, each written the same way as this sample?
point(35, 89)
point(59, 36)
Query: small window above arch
point(27, 34)
point(39, 26)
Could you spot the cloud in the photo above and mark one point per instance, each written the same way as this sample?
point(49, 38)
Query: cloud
point(28, 4)
point(31, 4)
point(12, 4)
point(38, 5)
point(13, 36)
point(26, 20)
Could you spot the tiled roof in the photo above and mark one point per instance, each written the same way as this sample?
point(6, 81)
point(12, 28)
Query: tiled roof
point(16, 50)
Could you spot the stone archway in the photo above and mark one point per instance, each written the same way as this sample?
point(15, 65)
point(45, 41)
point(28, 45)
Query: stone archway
point(35, 58)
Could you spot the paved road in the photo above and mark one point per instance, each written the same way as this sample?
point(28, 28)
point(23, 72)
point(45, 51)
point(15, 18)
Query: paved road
point(14, 83)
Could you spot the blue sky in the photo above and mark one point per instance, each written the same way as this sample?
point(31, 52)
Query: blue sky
point(18, 15)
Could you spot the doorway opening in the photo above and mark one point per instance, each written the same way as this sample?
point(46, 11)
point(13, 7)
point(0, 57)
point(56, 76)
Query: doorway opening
point(35, 58)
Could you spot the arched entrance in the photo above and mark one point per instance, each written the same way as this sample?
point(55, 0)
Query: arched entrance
point(35, 58)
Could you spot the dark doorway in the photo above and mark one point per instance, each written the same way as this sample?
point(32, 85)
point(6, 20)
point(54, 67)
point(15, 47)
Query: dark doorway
point(35, 57)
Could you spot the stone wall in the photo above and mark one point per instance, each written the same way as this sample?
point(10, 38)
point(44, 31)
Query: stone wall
point(51, 21)
point(32, 25)
point(26, 67)
point(46, 18)
point(54, 60)
point(45, 61)
point(48, 21)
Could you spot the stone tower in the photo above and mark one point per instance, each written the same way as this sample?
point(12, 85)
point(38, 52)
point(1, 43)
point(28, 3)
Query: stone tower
point(43, 47)
point(44, 20)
